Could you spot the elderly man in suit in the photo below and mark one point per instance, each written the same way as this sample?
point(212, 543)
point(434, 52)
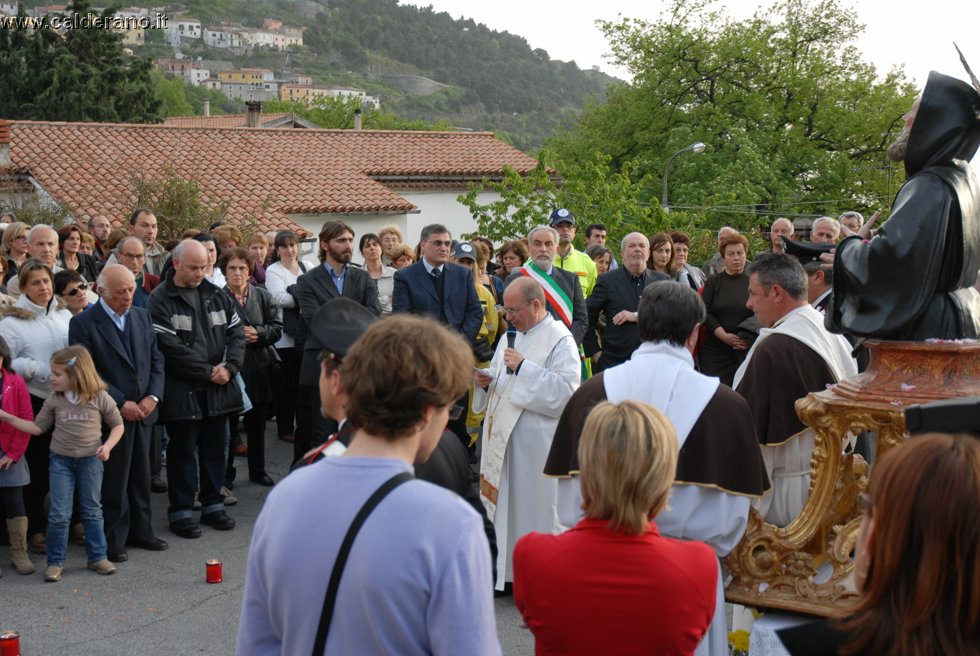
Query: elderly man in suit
point(617, 297)
point(123, 345)
point(434, 287)
point(336, 278)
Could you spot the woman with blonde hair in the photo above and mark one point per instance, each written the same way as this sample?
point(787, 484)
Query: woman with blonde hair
point(612, 584)
point(15, 247)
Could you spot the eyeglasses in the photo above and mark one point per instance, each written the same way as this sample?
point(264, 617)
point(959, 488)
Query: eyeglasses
point(512, 311)
point(83, 287)
point(455, 412)
point(134, 256)
point(437, 243)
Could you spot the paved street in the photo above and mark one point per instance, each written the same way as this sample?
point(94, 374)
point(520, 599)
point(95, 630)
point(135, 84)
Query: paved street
point(159, 603)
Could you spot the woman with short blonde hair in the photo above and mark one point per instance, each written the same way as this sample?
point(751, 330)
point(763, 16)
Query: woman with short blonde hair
point(628, 454)
point(612, 584)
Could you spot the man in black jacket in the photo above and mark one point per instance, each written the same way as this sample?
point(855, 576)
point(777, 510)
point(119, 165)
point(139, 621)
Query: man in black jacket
point(617, 297)
point(335, 278)
point(203, 344)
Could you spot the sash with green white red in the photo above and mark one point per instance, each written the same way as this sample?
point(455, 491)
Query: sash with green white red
point(554, 294)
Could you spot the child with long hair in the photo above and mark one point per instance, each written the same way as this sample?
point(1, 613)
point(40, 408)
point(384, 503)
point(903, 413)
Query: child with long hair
point(76, 410)
point(14, 474)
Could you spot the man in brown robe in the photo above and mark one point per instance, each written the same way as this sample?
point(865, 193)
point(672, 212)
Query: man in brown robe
point(793, 356)
point(720, 468)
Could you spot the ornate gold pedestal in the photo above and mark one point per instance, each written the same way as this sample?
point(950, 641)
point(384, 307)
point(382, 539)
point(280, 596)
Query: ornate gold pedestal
point(776, 567)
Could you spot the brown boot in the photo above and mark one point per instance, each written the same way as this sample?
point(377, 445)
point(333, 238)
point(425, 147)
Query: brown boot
point(17, 528)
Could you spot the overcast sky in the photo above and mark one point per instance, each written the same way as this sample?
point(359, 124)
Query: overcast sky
point(917, 35)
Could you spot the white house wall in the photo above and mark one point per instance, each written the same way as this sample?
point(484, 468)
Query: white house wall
point(435, 207)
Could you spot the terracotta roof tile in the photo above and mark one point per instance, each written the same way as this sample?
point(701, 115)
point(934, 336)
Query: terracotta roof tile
point(265, 173)
point(219, 121)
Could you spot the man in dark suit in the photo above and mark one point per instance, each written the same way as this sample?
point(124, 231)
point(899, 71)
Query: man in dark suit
point(336, 278)
point(617, 297)
point(434, 287)
point(123, 345)
point(444, 291)
point(542, 244)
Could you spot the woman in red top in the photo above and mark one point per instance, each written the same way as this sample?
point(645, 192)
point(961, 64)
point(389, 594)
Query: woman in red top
point(612, 584)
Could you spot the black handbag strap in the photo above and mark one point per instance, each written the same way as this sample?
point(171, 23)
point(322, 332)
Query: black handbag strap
point(338, 567)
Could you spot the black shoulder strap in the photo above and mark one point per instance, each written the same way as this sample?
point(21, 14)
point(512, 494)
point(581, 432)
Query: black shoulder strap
point(338, 567)
point(302, 266)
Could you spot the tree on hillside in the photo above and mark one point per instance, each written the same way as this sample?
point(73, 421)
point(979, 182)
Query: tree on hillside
point(81, 75)
point(338, 113)
point(794, 121)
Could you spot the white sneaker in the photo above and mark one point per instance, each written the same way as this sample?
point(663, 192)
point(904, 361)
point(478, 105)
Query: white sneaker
point(230, 499)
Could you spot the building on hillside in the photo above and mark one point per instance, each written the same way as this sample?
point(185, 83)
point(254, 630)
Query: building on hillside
point(309, 93)
point(188, 70)
point(246, 75)
point(8, 8)
point(183, 28)
point(295, 179)
point(225, 38)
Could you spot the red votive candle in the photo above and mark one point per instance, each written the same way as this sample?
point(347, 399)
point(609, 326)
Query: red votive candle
point(9, 643)
point(212, 570)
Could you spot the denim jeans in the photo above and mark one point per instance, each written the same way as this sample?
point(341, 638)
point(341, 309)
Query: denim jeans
point(68, 475)
point(196, 448)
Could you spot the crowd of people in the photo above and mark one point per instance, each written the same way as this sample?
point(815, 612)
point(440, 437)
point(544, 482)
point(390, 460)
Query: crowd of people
point(587, 430)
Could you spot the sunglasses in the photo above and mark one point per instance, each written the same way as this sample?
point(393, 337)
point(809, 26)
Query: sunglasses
point(81, 288)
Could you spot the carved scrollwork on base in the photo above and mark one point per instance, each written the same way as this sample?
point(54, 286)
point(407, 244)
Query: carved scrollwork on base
point(806, 566)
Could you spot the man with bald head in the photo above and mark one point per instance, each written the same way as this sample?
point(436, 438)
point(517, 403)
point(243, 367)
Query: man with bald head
point(131, 253)
point(616, 297)
point(523, 393)
point(203, 343)
point(42, 243)
point(123, 346)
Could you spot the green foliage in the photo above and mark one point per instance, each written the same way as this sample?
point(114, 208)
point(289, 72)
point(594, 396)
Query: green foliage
point(81, 76)
point(33, 209)
point(592, 190)
point(338, 113)
point(182, 99)
point(795, 124)
point(177, 202)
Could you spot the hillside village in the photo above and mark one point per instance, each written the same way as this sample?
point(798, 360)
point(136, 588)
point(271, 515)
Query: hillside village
point(244, 84)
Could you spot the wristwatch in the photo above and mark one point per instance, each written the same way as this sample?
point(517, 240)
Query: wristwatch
point(155, 399)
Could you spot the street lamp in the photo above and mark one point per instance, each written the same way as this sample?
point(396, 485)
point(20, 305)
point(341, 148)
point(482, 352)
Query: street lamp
point(697, 147)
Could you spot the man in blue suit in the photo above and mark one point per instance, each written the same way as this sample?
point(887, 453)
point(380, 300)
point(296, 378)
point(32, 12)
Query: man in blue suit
point(434, 287)
point(124, 348)
point(444, 291)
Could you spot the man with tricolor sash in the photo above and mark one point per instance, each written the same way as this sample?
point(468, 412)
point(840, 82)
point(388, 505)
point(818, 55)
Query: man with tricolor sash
point(525, 389)
point(562, 292)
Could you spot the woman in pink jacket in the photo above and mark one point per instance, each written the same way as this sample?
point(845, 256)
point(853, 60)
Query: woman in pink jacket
point(14, 475)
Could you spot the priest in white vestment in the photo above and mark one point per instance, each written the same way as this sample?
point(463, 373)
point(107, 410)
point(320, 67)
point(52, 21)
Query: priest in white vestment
point(523, 394)
point(719, 468)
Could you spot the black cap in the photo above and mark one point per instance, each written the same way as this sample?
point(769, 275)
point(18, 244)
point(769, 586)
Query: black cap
point(952, 416)
point(561, 215)
point(335, 327)
point(464, 249)
point(806, 251)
